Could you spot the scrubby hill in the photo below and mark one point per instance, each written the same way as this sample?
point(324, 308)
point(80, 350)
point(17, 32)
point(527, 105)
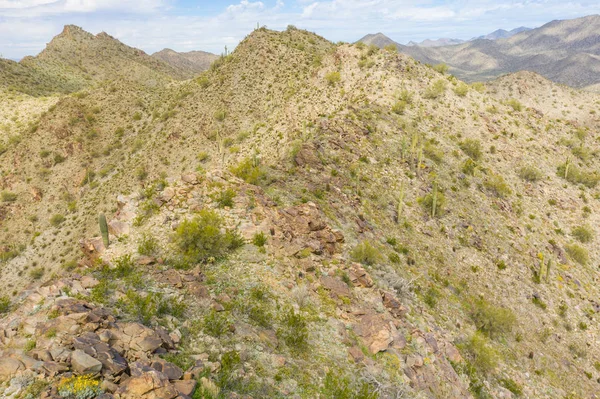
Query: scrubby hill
point(192, 61)
point(76, 59)
point(303, 210)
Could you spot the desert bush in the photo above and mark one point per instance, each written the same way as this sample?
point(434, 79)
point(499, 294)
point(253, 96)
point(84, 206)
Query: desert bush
point(577, 176)
point(36, 273)
point(428, 201)
point(225, 198)
point(220, 115)
point(577, 253)
point(480, 353)
point(399, 107)
point(530, 173)
point(333, 78)
point(144, 307)
point(339, 386)
point(148, 245)
point(478, 87)
point(514, 104)
point(293, 330)
point(57, 219)
point(583, 233)
point(249, 171)
point(7, 196)
point(472, 148)
point(441, 68)
point(497, 185)
point(391, 48)
point(491, 320)
point(365, 253)
point(200, 238)
point(461, 89)
point(259, 239)
point(4, 304)
point(432, 152)
point(436, 89)
point(215, 323)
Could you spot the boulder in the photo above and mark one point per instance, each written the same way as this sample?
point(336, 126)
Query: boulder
point(186, 387)
point(171, 371)
point(149, 384)
point(84, 364)
point(9, 367)
point(118, 228)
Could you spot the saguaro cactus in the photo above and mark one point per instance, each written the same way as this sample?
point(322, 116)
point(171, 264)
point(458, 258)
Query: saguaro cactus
point(103, 229)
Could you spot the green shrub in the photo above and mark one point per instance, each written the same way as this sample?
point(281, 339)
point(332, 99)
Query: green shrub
point(37, 273)
point(427, 203)
point(147, 306)
point(365, 253)
point(514, 104)
point(225, 198)
point(293, 330)
point(259, 239)
point(137, 116)
point(480, 353)
point(583, 233)
point(577, 253)
point(441, 68)
point(391, 48)
point(577, 176)
point(472, 148)
point(333, 78)
point(220, 115)
point(530, 173)
point(57, 219)
point(436, 89)
point(249, 171)
point(7, 196)
point(215, 324)
point(461, 90)
point(492, 320)
point(497, 185)
point(399, 107)
point(4, 304)
point(148, 245)
point(201, 238)
point(338, 386)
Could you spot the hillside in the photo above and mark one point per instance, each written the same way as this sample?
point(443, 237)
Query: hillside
point(564, 51)
point(193, 62)
point(303, 220)
point(76, 59)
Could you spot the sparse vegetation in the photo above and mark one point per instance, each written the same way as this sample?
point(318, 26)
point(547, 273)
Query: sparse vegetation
point(365, 253)
point(200, 239)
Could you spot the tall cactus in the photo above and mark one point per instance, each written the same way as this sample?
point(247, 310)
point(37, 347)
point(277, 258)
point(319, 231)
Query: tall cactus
point(400, 202)
point(103, 229)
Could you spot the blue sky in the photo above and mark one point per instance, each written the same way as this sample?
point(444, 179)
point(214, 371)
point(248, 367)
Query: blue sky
point(27, 25)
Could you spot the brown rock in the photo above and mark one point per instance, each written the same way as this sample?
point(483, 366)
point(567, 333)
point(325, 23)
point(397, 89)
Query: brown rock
point(84, 364)
point(393, 304)
point(336, 286)
point(9, 367)
point(149, 385)
point(189, 178)
point(171, 371)
point(118, 228)
point(186, 387)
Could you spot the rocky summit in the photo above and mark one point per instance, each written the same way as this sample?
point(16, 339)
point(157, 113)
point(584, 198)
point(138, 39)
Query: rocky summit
point(302, 219)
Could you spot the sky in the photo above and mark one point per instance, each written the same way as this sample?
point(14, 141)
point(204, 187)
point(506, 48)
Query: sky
point(183, 25)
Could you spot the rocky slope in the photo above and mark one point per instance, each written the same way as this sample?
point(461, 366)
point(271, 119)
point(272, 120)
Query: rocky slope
point(382, 229)
point(564, 51)
point(193, 62)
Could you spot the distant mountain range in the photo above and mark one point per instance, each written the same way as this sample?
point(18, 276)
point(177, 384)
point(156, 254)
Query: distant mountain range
point(566, 52)
point(495, 35)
